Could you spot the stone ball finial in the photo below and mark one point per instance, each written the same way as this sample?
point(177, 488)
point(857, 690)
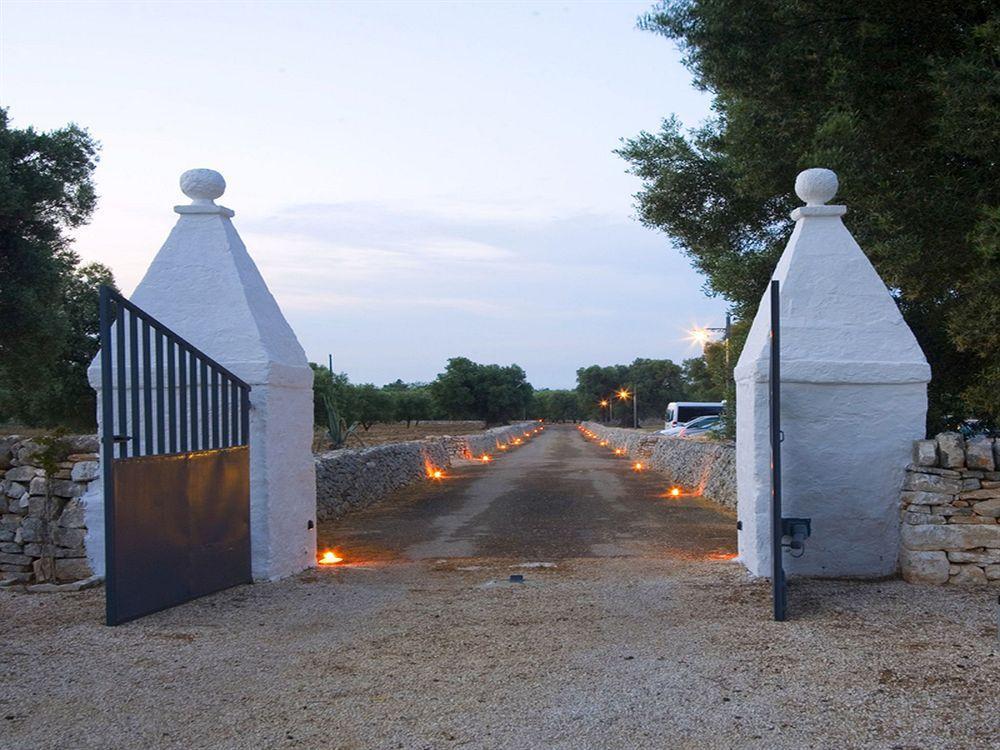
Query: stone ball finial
point(202, 185)
point(816, 186)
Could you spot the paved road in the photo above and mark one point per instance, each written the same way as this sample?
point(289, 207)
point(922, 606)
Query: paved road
point(557, 497)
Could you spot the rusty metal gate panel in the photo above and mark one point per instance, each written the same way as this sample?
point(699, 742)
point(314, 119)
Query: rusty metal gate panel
point(175, 454)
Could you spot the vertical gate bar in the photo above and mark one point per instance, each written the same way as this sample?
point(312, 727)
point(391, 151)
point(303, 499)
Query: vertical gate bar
point(147, 390)
point(108, 447)
point(244, 416)
point(133, 342)
point(224, 412)
point(182, 396)
point(121, 392)
point(206, 417)
point(216, 416)
point(161, 420)
point(777, 569)
point(192, 359)
point(171, 395)
point(234, 413)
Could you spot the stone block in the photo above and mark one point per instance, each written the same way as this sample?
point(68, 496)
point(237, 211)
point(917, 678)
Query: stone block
point(86, 471)
point(989, 508)
point(7, 558)
point(916, 518)
point(971, 483)
point(47, 508)
point(15, 490)
point(73, 515)
point(72, 569)
point(969, 575)
point(20, 474)
point(979, 453)
point(951, 450)
point(31, 530)
point(951, 536)
point(924, 452)
point(67, 488)
point(931, 483)
point(992, 572)
point(974, 496)
point(38, 486)
point(11, 548)
point(68, 537)
point(924, 567)
point(980, 557)
point(8, 568)
point(924, 498)
point(970, 519)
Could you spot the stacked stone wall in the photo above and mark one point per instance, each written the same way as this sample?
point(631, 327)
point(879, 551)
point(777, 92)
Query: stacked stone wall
point(950, 505)
point(350, 479)
point(706, 467)
point(42, 526)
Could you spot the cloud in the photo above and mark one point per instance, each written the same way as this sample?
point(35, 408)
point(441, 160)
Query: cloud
point(394, 291)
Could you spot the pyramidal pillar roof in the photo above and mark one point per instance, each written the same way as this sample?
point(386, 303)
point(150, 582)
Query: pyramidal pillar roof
point(204, 285)
point(853, 398)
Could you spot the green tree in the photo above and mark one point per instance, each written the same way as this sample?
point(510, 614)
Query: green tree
point(48, 300)
point(658, 382)
point(903, 102)
point(554, 405)
point(411, 401)
point(371, 405)
point(492, 393)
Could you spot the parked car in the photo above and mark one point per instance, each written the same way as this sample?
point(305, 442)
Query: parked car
point(679, 413)
point(700, 426)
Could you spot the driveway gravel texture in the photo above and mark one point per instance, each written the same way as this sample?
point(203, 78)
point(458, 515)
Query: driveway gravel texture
point(633, 628)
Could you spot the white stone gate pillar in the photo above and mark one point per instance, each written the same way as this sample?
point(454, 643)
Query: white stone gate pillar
point(204, 285)
point(853, 398)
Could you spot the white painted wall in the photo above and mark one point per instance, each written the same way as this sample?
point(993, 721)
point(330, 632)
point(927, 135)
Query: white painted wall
point(204, 285)
point(854, 385)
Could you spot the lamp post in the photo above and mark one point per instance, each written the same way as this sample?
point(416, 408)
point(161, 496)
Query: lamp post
point(702, 336)
point(605, 404)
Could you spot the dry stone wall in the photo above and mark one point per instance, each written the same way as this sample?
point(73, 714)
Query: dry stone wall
point(42, 527)
point(702, 466)
point(349, 479)
point(950, 505)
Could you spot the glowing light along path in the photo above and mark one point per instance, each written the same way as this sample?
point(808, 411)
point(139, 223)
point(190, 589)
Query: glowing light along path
point(330, 558)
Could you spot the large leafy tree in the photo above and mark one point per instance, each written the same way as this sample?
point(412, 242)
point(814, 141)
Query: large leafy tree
point(658, 382)
point(492, 393)
point(903, 102)
point(48, 300)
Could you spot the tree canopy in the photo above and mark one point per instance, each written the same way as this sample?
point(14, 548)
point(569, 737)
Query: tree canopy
point(48, 300)
point(658, 381)
point(903, 102)
point(492, 393)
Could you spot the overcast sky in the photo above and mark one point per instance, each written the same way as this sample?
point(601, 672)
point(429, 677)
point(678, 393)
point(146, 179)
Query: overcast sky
point(416, 181)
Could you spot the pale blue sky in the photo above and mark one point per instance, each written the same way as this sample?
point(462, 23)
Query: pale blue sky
point(415, 180)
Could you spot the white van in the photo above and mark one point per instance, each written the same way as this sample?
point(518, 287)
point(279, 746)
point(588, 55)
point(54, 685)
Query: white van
point(679, 413)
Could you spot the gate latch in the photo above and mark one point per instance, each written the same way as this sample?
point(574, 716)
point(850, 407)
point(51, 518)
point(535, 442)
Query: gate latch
point(796, 531)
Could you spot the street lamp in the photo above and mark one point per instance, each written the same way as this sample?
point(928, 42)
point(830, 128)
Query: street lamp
point(624, 395)
point(604, 405)
point(704, 335)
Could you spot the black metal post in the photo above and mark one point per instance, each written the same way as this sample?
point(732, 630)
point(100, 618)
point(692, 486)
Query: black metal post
point(108, 446)
point(777, 569)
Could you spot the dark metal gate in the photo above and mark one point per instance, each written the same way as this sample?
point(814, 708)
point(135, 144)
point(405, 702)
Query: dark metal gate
point(778, 583)
point(786, 533)
point(174, 442)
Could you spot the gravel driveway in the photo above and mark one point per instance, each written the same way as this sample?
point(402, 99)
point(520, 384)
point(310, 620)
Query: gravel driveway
point(618, 642)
